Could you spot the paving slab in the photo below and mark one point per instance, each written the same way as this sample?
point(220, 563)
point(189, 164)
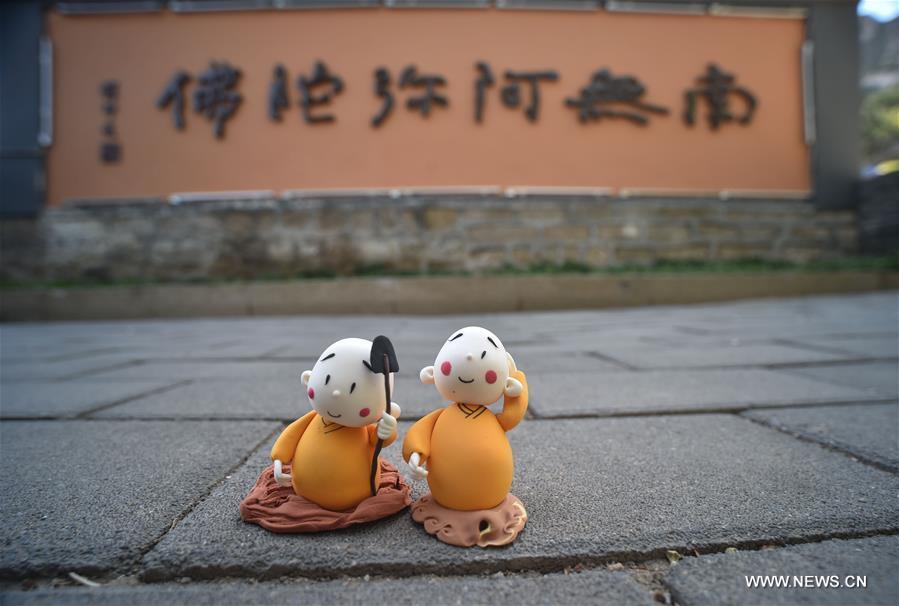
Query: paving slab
point(879, 377)
point(223, 371)
point(256, 398)
point(721, 578)
point(43, 369)
point(561, 357)
point(207, 399)
point(89, 496)
point(56, 342)
point(590, 587)
point(594, 488)
point(840, 321)
point(689, 355)
point(226, 350)
point(881, 346)
point(16, 346)
point(653, 391)
point(871, 432)
point(70, 398)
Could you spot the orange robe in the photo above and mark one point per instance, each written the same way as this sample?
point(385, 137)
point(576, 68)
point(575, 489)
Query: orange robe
point(330, 463)
point(468, 456)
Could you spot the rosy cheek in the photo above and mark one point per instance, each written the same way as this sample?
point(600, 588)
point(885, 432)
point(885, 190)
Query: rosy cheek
point(446, 368)
point(364, 412)
point(311, 393)
point(490, 376)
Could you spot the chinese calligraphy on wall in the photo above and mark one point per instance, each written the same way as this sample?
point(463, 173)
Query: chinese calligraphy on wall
point(606, 96)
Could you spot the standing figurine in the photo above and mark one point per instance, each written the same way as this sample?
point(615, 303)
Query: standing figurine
point(333, 450)
point(462, 449)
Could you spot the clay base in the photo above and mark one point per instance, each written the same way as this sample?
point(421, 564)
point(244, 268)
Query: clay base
point(484, 528)
point(279, 509)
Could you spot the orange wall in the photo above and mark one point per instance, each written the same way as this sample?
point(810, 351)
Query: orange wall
point(665, 52)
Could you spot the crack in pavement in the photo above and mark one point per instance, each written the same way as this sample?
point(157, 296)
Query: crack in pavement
point(809, 438)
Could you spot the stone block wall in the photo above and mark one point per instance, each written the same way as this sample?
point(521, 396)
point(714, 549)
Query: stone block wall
point(879, 214)
point(153, 240)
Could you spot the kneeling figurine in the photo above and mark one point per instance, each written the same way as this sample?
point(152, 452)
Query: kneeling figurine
point(332, 451)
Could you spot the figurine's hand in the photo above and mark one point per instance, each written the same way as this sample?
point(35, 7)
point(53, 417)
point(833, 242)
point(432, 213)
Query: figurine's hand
point(427, 375)
point(395, 410)
point(283, 479)
point(513, 388)
point(387, 425)
point(418, 469)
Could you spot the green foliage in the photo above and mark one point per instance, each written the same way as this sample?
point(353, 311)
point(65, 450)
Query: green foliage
point(880, 124)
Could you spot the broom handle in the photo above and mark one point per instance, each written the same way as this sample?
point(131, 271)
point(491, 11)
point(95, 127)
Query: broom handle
point(380, 443)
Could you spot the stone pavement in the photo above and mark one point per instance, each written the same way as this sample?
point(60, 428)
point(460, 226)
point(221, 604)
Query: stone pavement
point(770, 427)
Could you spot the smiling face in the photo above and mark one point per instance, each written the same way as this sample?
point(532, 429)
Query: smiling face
point(471, 367)
point(342, 388)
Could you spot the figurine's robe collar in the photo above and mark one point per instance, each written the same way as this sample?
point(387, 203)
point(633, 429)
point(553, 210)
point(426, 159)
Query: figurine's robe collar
point(471, 411)
point(332, 426)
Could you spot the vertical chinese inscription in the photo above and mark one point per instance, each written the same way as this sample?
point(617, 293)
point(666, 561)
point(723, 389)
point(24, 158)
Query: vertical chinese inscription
point(110, 148)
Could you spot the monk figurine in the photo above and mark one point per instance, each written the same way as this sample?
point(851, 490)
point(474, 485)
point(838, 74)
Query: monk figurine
point(332, 450)
point(462, 449)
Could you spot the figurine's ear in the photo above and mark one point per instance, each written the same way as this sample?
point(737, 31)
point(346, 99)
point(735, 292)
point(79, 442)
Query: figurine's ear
point(307, 374)
point(427, 375)
point(512, 367)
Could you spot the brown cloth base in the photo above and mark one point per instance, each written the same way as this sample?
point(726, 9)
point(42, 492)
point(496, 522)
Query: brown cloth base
point(279, 509)
point(484, 527)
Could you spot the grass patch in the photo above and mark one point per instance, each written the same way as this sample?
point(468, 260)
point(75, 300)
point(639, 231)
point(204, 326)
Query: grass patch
point(887, 263)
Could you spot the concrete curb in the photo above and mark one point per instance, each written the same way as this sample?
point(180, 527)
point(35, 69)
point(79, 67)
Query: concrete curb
point(424, 295)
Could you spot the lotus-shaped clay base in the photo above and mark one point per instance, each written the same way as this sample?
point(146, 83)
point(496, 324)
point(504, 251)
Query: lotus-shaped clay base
point(493, 527)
